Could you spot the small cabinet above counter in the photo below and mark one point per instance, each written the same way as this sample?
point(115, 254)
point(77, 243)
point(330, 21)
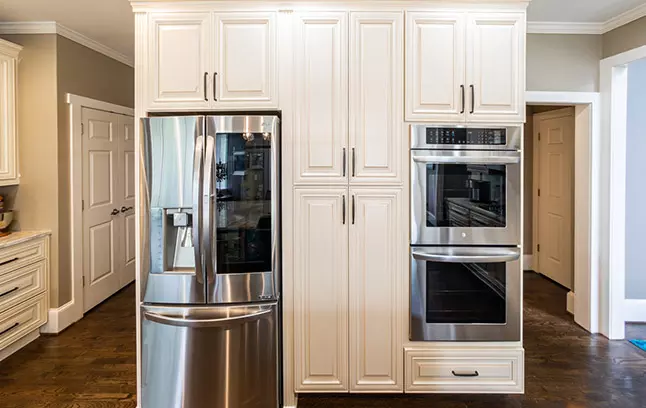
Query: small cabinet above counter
point(9, 174)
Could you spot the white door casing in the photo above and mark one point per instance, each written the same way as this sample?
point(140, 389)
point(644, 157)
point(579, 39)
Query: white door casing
point(376, 97)
point(555, 203)
point(496, 67)
point(321, 289)
point(101, 228)
point(321, 92)
point(376, 250)
point(435, 68)
point(180, 51)
point(126, 175)
point(246, 60)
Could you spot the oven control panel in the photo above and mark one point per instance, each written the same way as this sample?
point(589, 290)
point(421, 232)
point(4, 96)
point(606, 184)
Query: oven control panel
point(466, 136)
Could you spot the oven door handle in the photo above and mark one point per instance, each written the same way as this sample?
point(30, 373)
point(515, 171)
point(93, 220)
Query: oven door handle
point(462, 257)
point(468, 160)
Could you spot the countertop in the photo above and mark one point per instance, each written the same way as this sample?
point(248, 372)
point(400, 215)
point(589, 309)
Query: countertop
point(19, 237)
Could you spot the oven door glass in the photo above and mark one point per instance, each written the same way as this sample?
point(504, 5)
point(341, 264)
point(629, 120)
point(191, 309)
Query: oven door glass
point(465, 293)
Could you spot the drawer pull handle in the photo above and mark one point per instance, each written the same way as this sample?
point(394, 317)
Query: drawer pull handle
point(13, 326)
point(9, 291)
point(9, 261)
point(473, 374)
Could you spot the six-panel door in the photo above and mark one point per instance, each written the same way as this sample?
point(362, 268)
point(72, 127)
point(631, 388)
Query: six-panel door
point(435, 66)
point(321, 289)
point(246, 60)
point(321, 92)
point(180, 56)
point(377, 262)
point(376, 97)
point(496, 67)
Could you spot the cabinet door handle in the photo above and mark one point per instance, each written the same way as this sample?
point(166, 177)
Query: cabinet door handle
point(354, 208)
point(473, 99)
point(8, 261)
point(462, 90)
point(9, 291)
point(473, 374)
point(343, 210)
point(344, 161)
point(13, 326)
point(215, 86)
point(354, 162)
point(206, 79)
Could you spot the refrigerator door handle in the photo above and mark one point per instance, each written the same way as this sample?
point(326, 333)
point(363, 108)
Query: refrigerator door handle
point(207, 209)
point(216, 320)
point(198, 175)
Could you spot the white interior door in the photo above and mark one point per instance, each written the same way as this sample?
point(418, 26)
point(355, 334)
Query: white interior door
point(555, 134)
point(126, 182)
point(102, 202)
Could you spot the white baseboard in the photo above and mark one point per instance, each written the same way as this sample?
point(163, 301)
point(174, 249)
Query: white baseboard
point(13, 347)
point(61, 318)
point(528, 262)
point(570, 302)
point(635, 310)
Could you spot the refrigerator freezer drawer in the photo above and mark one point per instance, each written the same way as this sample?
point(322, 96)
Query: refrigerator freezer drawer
point(210, 357)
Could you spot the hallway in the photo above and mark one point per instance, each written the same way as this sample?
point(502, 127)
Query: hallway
point(92, 364)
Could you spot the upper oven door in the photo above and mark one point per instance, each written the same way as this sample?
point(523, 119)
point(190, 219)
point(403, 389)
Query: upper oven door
point(464, 197)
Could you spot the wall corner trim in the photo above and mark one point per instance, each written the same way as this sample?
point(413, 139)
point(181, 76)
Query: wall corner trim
point(52, 27)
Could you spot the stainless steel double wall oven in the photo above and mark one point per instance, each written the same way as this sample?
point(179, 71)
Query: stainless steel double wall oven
point(210, 318)
point(465, 233)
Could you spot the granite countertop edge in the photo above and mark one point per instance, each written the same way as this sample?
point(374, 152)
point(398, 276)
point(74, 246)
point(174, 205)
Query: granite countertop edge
point(18, 237)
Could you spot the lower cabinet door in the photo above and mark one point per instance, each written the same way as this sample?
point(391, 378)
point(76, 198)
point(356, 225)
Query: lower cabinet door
point(376, 265)
point(320, 236)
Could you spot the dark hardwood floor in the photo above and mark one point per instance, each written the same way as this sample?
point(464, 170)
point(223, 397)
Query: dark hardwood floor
point(92, 364)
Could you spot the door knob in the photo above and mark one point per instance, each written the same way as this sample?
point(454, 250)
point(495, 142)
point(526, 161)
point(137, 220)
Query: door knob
point(114, 212)
point(124, 209)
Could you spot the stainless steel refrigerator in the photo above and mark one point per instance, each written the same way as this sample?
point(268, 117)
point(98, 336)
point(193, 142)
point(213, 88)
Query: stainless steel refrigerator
point(211, 237)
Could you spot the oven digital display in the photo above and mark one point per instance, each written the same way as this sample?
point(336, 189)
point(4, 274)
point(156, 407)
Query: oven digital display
point(463, 136)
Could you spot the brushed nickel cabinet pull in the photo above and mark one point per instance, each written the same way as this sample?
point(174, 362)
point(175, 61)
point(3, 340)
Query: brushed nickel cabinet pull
point(473, 99)
point(215, 86)
point(462, 90)
point(206, 79)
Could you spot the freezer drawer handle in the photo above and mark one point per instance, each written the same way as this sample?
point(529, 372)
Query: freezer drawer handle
point(197, 323)
point(475, 258)
point(473, 374)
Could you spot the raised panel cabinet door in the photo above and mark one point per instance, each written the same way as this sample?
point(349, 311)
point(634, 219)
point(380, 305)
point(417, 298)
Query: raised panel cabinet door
point(8, 140)
point(377, 263)
point(245, 75)
point(376, 97)
point(435, 64)
point(321, 289)
point(496, 67)
point(321, 92)
point(180, 55)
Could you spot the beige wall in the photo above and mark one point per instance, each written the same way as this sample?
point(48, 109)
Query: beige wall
point(83, 72)
point(625, 38)
point(37, 198)
point(558, 62)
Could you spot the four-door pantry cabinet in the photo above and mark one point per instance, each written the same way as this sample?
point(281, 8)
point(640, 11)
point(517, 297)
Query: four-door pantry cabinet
point(345, 78)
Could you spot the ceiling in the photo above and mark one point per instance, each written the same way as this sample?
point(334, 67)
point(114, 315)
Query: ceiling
point(111, 22)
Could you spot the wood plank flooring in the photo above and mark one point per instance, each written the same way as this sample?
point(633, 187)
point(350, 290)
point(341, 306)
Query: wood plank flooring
point(92, 365)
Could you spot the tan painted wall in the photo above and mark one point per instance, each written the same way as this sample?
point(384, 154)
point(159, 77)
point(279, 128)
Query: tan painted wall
point(83, 72)
point(625, 38)
point(37, 198)
point(558, 62)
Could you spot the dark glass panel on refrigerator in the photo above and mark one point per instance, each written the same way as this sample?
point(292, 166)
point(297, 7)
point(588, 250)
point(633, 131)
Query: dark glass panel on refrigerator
point(466, 293)
point(466, 195)
point(243, 212)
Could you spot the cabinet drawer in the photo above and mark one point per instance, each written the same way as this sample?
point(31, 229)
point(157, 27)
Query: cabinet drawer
point(20, 255)
point(22, 320)
point(22, 284)
point(465, 371)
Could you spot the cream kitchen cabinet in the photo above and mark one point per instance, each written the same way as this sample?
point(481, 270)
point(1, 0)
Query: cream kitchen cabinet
point(8, 137)
point(359, 142)
point(465, 67)
point(210, 61)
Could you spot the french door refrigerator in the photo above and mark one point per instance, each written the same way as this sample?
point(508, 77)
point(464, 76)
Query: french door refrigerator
point(210, 312)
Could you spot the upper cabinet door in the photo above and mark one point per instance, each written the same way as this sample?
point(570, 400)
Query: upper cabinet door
point(8, 139)
point(435, 76)
point(321, 98)
point(376, 97)
point(245, 75)
point(180, 50)
point(496, 67)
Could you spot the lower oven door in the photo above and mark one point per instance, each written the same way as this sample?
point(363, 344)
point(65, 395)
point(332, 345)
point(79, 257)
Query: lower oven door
point(465, 197)
point(465, 294)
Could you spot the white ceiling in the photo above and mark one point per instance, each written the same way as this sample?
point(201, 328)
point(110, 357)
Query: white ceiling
point(111, 22)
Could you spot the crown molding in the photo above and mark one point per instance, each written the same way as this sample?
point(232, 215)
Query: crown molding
point(547, 27)
point(52, 27)
point(10, 49)
point(625, 18)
